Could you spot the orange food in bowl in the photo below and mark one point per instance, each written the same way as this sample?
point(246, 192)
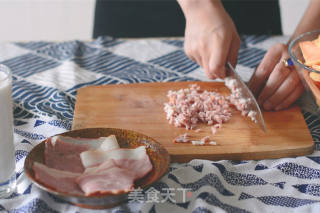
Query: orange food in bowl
point(311, 51)
point(316, 67)
point(316, 78)
point(311, 54)
point(317, 41)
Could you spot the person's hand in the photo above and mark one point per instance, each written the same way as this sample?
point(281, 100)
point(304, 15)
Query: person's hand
point(211, 37)
point(275, 85)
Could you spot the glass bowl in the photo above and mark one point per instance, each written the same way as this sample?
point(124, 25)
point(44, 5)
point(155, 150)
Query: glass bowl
point(303, 70)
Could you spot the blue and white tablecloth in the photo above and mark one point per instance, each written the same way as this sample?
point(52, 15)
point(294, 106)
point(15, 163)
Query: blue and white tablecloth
point(46, 76)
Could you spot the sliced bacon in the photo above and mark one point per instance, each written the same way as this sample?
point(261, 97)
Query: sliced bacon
point(64, 152)
point(109, 143)
point(106, 178)
point(63, 155)
point(91, 166)
point(136, 159)
point(62, 181)
point(98, 169)
point(139, 167)
point(104, 143)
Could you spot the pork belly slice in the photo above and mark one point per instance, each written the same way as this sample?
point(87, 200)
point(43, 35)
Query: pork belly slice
point(63, 155)
point(104, 143)
point(109, 143)
point(64, 152)
point(61, 181)
point(106, 178)
point(136, 159)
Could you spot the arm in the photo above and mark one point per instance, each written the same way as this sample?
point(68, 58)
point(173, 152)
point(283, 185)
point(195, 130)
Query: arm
point(210, 35)
point(310, 20)
point(277, 86)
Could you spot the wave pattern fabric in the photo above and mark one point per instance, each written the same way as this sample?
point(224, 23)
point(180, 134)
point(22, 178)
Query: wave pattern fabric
point(46, 76)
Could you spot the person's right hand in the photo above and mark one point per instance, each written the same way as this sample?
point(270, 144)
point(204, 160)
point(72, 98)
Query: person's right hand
point(211, 38)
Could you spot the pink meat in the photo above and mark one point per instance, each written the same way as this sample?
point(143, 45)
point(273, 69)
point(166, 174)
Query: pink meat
point(203, 141)
point(139, 167)
point(106, 178)
point(187, 107)
point(215, 127)
point(64, 155)
point(61, 181)
point(77, 166)
point(241, 104)
point(63, 152)
point(184, 138)
point(136, 159)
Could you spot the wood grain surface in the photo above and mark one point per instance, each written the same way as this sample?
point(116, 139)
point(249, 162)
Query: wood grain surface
point(139, 107)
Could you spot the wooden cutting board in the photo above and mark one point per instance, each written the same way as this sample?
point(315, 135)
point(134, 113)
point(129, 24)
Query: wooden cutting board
point(139, 107)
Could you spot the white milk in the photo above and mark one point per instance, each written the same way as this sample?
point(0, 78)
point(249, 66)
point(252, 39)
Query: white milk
point(7, 158)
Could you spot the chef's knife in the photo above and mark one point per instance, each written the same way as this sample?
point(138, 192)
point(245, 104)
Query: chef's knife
point(247, 94)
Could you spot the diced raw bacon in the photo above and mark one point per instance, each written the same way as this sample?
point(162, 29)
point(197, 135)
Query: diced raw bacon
point(236, 99)
point(197, 143)
point(187, 107)
point(62, 181)
point(212, 143)
point(63, 152)
point(253, 115)
point(213, 130)
point(205, 139)
point(184, 138)
point(106, 178)
point(215, 127)
point(136, 159)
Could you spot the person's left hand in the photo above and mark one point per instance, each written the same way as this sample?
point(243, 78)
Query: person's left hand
point(275, 85)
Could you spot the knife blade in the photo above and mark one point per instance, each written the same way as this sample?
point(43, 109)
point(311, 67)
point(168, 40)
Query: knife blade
point(247, 95)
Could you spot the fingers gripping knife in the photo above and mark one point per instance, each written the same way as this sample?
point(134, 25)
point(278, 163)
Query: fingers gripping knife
point(243, 98)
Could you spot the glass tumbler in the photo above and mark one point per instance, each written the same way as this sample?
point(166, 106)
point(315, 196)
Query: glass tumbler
point(7, 150)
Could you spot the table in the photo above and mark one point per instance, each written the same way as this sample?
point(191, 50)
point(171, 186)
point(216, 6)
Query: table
point(46, 76)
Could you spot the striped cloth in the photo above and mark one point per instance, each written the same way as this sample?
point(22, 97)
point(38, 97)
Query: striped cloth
point(46, 76)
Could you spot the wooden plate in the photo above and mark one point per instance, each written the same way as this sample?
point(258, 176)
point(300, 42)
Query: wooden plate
point(127, 139)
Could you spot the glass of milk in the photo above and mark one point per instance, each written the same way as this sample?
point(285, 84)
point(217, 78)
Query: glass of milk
point(7, 150)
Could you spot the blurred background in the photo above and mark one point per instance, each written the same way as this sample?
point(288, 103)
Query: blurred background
point(27, 20)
